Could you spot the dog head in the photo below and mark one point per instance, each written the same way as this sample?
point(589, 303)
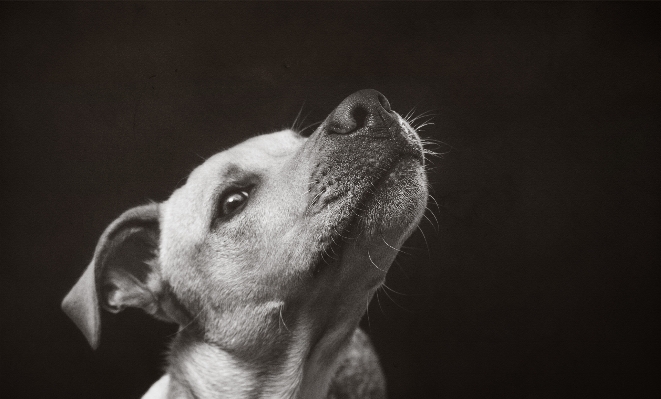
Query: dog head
point(280, 239)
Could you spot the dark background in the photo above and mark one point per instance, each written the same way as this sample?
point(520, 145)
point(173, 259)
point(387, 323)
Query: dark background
point(541, 279)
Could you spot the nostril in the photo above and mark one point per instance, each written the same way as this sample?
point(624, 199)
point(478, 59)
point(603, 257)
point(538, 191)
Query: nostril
point(366, 108)
point(384, 102)
point(359, 116)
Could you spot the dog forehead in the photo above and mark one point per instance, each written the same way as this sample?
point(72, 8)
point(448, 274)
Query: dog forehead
point(277, 144)
point(251, 155)
point(254, 154)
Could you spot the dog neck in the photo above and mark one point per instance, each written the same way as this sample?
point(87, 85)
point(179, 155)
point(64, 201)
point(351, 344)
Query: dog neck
point(201, 370)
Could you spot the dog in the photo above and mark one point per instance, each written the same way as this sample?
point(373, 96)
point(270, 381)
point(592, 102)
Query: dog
point(267, 258)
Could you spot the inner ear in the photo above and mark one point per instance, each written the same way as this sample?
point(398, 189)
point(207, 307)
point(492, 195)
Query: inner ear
point(130, 273)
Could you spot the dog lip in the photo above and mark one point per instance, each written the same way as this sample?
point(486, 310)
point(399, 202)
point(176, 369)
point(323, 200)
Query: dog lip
point(406, 144)
point(410, 152)
point(332, 252)
point(369, 194)
point(403, 156)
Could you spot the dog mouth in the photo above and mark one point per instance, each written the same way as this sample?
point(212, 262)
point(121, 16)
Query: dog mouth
point(388, 180)
point(358, 223)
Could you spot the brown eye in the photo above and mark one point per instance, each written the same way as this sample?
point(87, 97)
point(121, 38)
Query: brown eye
point(233, 202)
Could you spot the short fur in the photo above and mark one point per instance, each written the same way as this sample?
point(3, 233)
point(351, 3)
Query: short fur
point(268, 297)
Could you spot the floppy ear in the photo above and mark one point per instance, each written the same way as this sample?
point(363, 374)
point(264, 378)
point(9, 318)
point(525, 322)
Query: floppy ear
point(124, 272)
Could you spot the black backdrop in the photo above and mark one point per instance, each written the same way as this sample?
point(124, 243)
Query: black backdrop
point(541, 279)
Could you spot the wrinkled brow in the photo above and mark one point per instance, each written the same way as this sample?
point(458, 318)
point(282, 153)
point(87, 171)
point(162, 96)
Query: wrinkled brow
point(232, 172)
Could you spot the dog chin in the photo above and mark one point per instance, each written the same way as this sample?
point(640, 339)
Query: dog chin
point(397, 204)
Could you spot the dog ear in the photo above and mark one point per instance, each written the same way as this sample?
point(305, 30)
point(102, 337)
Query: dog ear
point(124, 272)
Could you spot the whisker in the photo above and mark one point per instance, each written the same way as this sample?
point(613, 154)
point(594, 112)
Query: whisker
point(409, 114)
point(367, 311)
point(433, 154)
point(430, 222)
point(391, 290)
point(315, 199)
point(427, 123)
point(436, 202)
point(309, 126)
point(421, 115)
point(437, 143)
point(398, 250)
point(379, 301)
point(426, 243)
point(283, 320)
point(198, 155)
point(431, 168)
point(296, 120)
point(370, 258)
point(395, 302)
point(340, 235)
point(438, 225)
point(187, 325)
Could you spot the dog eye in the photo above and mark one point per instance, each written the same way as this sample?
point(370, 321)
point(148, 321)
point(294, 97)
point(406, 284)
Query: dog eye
point(233, 202)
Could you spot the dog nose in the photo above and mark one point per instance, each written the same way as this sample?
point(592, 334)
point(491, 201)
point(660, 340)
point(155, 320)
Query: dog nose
point(363, 108)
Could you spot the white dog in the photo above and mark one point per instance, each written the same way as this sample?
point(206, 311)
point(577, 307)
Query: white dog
point(267, 258)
